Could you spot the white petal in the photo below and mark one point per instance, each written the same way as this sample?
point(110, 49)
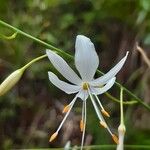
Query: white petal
point(105, 88)
point(83, 94)
point(86, 59)
point(103, 79)
point(60, 64)
point(66, 87)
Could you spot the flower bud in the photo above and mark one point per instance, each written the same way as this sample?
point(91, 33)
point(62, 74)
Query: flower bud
point(10, 81)
point(121, 131)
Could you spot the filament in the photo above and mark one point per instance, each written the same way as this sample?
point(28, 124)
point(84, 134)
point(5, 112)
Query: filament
point(83, 134)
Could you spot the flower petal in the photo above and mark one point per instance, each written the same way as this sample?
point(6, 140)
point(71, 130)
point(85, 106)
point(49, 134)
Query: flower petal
point(102, 90)
point(83, 94)
point(86, 59)
point(103, 79)
point(66, 87)
point(60, 64)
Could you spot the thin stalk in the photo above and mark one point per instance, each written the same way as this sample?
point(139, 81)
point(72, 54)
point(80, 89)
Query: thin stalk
point(35, 39)
point(69, 57)
point(118, 101)
point(34, 60)
point(121, 107)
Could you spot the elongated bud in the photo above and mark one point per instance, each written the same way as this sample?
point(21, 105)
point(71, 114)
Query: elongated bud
point(103, 124)
point(53, 137)
point(67, 146)
point(82, 124)
point(121, 131)
point(66, 109)
point(115, 138)
point(105, 113)
point(10, 81)
point(14, 77)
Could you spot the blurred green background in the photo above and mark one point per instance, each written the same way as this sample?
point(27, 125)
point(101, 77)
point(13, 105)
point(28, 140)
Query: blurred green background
point(31, 111)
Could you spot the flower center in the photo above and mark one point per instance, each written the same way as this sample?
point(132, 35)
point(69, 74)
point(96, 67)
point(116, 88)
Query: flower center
point(85, 86)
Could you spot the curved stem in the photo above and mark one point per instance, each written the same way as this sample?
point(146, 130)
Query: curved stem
point(32, 61)
point(35, 39)
point(69, 57)
point(8, 37)
point(118, 101)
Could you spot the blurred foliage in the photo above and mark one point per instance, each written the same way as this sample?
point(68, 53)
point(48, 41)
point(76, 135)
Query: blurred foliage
point(32, 110)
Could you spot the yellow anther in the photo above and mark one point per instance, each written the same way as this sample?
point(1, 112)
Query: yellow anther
point(105, 113)
point(103, 124)
point(53, 137)
point(82, 125)
point(85, 86)
point(115, 138)
point(66, 109)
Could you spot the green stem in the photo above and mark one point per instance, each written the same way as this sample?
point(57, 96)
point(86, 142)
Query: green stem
point(96, 147)
point(8, 37)
point(68, 56)
point(121, 107)
point(35, 39)
point(134, 96)
point(32, 61)
point(118, 101)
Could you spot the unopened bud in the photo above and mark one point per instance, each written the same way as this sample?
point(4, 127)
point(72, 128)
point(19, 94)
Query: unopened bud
point(121, 132)
point(10, 81)
point(121, 129)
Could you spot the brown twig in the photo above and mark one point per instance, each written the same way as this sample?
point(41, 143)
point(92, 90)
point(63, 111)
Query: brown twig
point(142, 52)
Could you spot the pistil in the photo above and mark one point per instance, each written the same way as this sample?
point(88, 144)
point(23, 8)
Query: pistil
point(85, 86)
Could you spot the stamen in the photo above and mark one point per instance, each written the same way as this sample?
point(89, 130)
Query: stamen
point(66, 109)
point(103, 124)
point(105, 113)
point(115, 138)
point(85, 86)
point(96, 108)
point(101, 118)
point(82, 124)
point(53, 137)
point(66, 115)
point(83, 133)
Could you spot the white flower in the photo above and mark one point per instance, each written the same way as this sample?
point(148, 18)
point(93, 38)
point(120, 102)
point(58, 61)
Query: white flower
point(86, 62)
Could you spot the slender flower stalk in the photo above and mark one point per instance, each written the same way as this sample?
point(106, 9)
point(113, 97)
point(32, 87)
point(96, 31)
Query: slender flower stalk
point(14, 77)
point(121, 128)
point(84, 124)
point(86, 62)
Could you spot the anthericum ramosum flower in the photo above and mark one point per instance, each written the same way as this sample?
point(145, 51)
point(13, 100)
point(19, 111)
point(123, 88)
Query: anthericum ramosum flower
point(86, 62)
